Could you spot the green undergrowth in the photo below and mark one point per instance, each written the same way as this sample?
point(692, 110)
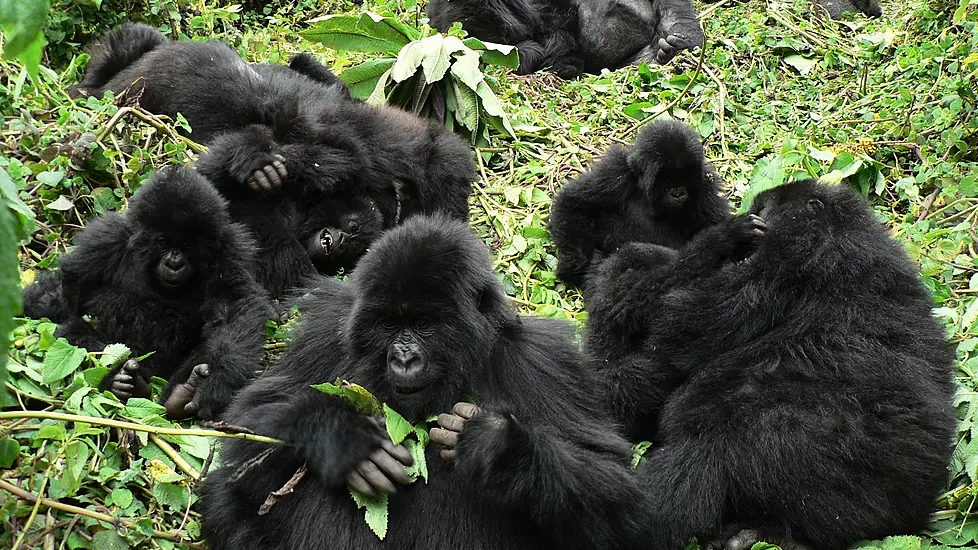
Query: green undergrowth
point(884, 105)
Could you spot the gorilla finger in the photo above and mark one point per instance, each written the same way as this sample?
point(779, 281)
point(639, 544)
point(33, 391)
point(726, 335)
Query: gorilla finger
point(280, 169)
point(119, 385)
point(131, 366)
point(448, 455)
point(451, 422)
point(465, 410)
point(260, 182)
point(200, 372)
point(192, 407)
point(399, 452)
point(124, 378)
point(357, 483)
point(390, 467)
point(677, 40)
point(375, 477)
point(445, 438)
point(272, 176)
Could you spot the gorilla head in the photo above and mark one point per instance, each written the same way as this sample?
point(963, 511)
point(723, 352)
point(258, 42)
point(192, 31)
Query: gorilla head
point(339, 231)
point(179, 228)
point(427, 312)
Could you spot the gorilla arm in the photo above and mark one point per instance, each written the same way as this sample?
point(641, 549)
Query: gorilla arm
point(535, 442)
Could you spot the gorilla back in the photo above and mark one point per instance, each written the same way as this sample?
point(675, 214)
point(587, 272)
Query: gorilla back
point(793, 379)
point(422, 324)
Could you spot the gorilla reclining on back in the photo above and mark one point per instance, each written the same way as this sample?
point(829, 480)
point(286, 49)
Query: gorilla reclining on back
point(575, 36)
point(788, 369)
point(270, 127)
point(172, 276)
point(423, 324)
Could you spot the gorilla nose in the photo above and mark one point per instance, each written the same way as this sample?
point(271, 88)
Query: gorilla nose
point(173, 260)
point(342, 240)
point(404, 361)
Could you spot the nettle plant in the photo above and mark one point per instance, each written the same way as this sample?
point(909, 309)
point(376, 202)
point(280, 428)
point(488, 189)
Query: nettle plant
point(433, 75)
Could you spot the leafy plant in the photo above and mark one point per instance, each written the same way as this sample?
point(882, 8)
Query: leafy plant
point(430, 74)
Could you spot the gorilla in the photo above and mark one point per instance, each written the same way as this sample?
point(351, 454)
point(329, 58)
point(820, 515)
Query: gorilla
point(788, 369)
point(423, 323)
point(575, 36)
point(660, 190)
point(174, 276)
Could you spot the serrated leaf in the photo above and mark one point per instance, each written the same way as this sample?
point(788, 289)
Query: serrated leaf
point(397, 427)
point(366, 71)
point(466, 68)
point(174, 497)
point(109, 540)
point(114, 355)
point(61, 204)
point(801, 63)
point(140, 408)
point(367, 32)
point(354, 394)
point(76, 457)
point(466, 106)
point(420, 466)
point(9, 450)
point(161, 472)
point(376, 511)
point(122, 497)
point(61, 360)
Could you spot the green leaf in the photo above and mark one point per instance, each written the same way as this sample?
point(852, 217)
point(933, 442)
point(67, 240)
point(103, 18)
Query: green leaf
point(358, 396)
point(21, 21)
point(367, 32)
point(802, 64)
point(376, 513)
point(175, 497)
point(109, 540)
point(438, 50)
point(408, 61)
point(61, 360)
point(466, 106)
point(367, 71)
point(76, 457)
point(9, 450)
point(420, 466)
point(12, 198)
point(492, 107)
point(379, 95)
point(114, 355)
point(844, 165)
point(768, 173)
point(10, 293)
point(397, 427)
point(51, 178)
point(638, 452)
point(63, 203)
point(139, 408)
point(502, 55)
point(466, 68)
point(122, 497)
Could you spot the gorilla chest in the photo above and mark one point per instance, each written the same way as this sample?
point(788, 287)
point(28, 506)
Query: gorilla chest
point(612, 29)
point(168, 329)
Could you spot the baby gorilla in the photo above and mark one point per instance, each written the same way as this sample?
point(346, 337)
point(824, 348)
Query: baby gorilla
point(788, 368)
point(660, 190)
point(172, 276)
point(424, 324)
point(314, 218)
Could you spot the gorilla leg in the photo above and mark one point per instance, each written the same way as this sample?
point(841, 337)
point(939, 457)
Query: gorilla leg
point(114, 52)
point(307, 65)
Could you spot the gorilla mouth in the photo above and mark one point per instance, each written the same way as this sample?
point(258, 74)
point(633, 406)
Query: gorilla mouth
point(409, 390)
point(326, 241)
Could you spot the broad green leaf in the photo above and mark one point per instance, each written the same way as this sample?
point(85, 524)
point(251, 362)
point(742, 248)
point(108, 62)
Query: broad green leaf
point(366, 71)
point(9, 450)
point(109, 540)
point(139, 408)
point(354, 394)
point(768, 173)
point(174, 497)
point(12, 198)
point(397, 427)
point(408, 61)
point(376, 512)
point(21, 22)
point(122, 497)
point(801, 63)
point(54, 431)
point(114, 355)
point(438, 50)
point(10, 292)
point(492, 107)
point(379, 95)
point(367, 32)
point(63, 203)
point(50, 178)
point(844, 165)
point(76, 458)
point(502, 55)
point(61, 360)
point(161, 472)
point(466, 106)
point(466, 68)
point(420, 466)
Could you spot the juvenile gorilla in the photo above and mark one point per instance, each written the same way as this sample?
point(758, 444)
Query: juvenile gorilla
point(574, 36)
point(172, 276)
point(660, 190)
point(424, 324)
point(788, 369)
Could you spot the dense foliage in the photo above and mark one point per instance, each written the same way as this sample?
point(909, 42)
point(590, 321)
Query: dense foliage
point(886, 105)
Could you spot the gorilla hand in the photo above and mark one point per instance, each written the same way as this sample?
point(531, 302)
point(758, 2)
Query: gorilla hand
point(126, 382)
point(452, 426)
point(379, 472)
point(184, 400)
point(745, 233)
point(269, 178)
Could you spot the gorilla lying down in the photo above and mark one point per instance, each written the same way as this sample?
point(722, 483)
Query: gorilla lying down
point(661, 190)
point(423, 323)
point(172, 276)
point(575, 36)
point(787, 366)
point(347, 169)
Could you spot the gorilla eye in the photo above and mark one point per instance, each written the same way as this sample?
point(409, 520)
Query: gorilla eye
point(422, 324)
point(387, 324)
point(353, 226)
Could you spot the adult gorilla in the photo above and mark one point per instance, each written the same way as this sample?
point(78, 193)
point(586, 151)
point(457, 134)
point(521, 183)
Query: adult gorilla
point(572, 36)
point(788, 368)
point(424, 324)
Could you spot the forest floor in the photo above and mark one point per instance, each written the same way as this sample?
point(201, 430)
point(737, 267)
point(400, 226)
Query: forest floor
point(887, 105)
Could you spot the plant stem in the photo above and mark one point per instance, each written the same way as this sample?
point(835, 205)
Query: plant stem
point(136, 427)
point(33, 516)
point(169, 451)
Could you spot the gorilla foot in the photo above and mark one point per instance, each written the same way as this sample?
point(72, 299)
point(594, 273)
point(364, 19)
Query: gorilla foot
point(676, 32)
point(127, 382)
point(182, 401)
point(269, 178)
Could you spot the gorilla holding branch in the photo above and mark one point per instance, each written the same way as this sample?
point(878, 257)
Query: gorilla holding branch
point(788, 369)
point(661, 190)
point(423, 323)
point(172, 276)
point(575, 36)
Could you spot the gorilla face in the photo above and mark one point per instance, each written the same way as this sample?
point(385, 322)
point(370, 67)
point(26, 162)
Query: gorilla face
point(174, 269)
point(342, 235)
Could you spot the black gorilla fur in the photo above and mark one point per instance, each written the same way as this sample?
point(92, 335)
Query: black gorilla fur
point(660, 190)
point(173, 275)
point(787, 366)
point(574, 36)
point(424, 323)
point(348, 159)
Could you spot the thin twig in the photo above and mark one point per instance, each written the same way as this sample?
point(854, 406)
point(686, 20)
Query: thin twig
point(33, 516)
point(692, 79)
point(169, 451)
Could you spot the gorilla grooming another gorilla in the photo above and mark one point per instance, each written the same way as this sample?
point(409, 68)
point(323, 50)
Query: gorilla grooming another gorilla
point(271, 127)
point(172, 276)
point(788, 369)
point(660, 190)
point(574, 36)
point(424, 324)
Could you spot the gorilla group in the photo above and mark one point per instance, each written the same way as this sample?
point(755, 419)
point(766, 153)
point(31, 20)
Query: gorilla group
point(172, 276)
point(575, 36)
point(424, 324)
point(661, 190)
point(315, 175)
point(787, 367)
